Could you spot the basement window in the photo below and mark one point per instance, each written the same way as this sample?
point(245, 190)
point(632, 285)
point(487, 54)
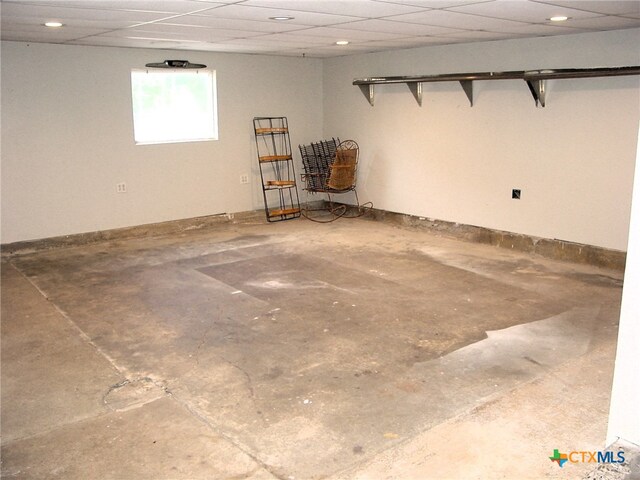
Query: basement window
point(172, 106)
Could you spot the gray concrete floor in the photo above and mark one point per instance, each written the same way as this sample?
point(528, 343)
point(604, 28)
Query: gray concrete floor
point(296, 350)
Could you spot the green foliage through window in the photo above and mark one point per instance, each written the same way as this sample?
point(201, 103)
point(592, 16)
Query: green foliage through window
point(173, 106)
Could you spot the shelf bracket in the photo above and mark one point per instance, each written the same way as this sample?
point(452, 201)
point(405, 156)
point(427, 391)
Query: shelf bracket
point(537, 88)
point(416, 90)
point(467, 86)
point(367, 91)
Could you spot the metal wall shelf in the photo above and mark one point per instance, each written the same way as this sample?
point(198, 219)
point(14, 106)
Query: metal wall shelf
point(535, 80)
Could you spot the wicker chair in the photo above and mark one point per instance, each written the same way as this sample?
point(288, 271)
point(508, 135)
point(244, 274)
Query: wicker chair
point(330, 168)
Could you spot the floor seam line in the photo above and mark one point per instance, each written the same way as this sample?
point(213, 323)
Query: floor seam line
point(49, 430)
point(202, 418)
point(74, 325)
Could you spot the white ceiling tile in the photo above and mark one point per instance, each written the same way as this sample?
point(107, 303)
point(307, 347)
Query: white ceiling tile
point(307, 54)
point(453, 40)
point(137, 39)
point(173, 6)
point(543, 30)
point(243, 26)
point(337, 51)
point(15, 21)
point(124, 42)
point(358, 8)
point(300, 40)
point(412, 42)
point(205, 34)
point(293, 53)
point(258, 44)
point(605, 7)
point(522, 11)
point(280, 43)
point(604, 23)
point(481, 35)
point(92, 8)
point(42, 34)
point(190, 31)
point(24, 36)
point(262, 14)
point(40, 14)
point(445, 18)
point(227, 2)
point(388, 26)
point(215, 47)
point(344, 34)
point(195, 22)
point(434, 3)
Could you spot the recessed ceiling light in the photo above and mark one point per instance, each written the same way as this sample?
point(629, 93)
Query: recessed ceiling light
point(559, 18)
point(281, 18)
point(53, 24)
point(342, 42)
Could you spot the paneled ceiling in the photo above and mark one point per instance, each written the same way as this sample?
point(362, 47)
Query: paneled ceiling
point(309, 27)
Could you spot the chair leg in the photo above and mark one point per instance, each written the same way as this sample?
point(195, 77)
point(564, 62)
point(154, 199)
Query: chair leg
point(336, 211)
point(361, 208)
point(339, 210)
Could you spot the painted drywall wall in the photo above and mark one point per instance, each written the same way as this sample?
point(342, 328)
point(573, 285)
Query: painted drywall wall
point(624, 415)
point(572, 160)
point(67, 138)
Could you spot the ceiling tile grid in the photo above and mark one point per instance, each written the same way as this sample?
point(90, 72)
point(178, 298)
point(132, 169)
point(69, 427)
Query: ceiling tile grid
point(307, 27)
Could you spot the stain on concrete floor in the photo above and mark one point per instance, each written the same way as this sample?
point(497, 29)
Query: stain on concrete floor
point(308, 348)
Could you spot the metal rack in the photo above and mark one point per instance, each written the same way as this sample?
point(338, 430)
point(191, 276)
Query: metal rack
point(535, 80)
point(277, 174)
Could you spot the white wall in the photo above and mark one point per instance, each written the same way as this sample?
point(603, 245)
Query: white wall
point(67, 138)
point(573, 160)
point(624, 416)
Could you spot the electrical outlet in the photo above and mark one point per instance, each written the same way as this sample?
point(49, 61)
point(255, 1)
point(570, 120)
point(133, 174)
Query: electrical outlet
point(516, 193)
point(121, 187)
point(244, 178)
